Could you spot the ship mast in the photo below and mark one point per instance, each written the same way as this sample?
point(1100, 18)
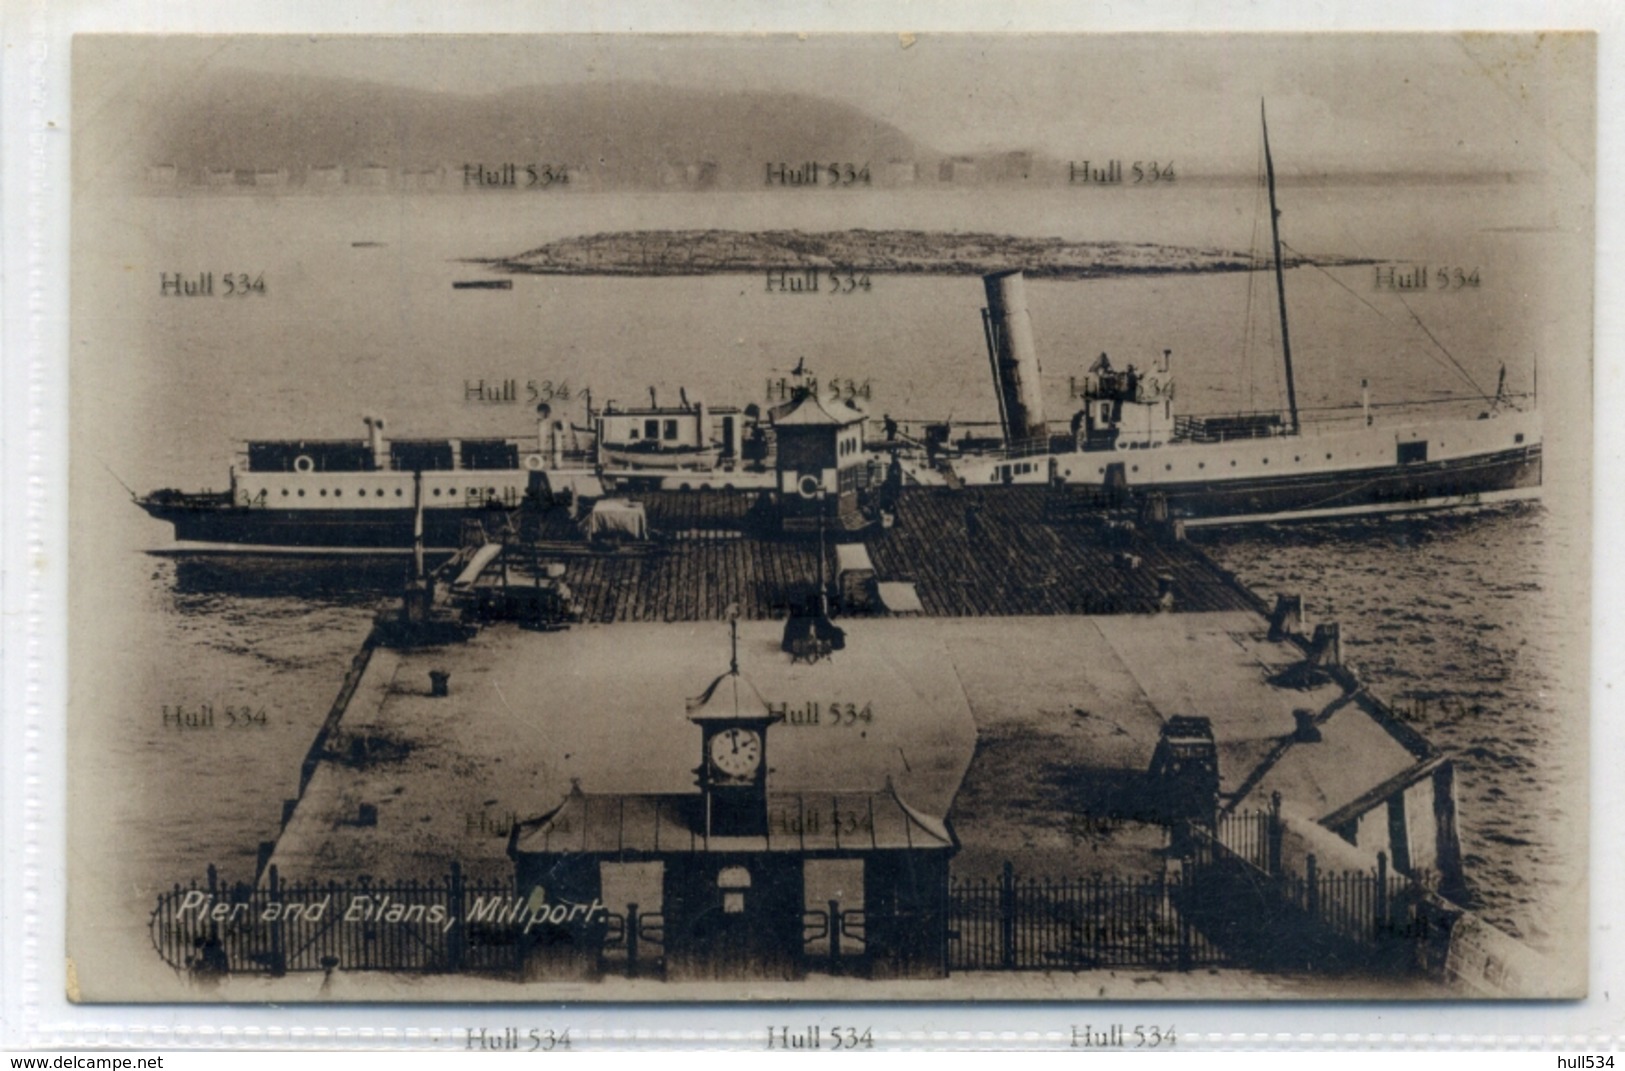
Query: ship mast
point(1280, 281)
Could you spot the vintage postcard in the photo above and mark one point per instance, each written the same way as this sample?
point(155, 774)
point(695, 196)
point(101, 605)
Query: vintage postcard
point(829, 517)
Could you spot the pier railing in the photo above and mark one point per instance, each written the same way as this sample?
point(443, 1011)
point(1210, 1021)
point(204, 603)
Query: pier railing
point(1079, 923)
point(1224, 899)
point(1270, 913)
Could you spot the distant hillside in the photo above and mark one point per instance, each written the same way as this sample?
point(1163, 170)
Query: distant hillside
point(621, 134)
point(890, 251)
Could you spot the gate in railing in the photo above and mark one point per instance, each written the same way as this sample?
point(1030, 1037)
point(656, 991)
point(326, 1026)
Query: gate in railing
point(634, 944)
point(835, 940)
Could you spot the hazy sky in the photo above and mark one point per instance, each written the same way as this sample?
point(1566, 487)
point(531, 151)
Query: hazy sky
point(1433, 102)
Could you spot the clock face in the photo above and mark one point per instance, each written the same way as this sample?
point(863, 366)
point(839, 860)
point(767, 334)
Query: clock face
point(736, 752)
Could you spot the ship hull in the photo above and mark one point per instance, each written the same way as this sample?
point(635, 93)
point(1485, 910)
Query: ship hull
point(1461, 483)
point(1367, 471)
point(1456, 484)
point(386, 530)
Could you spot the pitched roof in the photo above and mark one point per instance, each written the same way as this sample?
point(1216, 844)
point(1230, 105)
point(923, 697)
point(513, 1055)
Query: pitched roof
point(660, 824)
point(810, 411)
point(730, 696)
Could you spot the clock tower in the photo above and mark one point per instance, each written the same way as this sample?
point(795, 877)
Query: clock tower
point(732, 775)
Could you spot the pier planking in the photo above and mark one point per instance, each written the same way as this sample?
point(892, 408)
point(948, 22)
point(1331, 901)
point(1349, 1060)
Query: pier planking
point(1027, 559)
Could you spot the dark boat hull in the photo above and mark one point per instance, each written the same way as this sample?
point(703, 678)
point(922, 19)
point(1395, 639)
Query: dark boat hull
point(370, 529)
point(1459, 483)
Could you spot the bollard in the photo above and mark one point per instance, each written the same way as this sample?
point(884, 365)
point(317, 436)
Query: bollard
point(1155, 510)
point(1304, 729)
point(1287, 618)
point(1328, 643)
point(367, 815)
point(1165, 592)
point(439, 683)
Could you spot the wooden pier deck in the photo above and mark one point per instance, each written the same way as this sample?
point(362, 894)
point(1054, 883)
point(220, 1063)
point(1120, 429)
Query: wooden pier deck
point(1025, 557)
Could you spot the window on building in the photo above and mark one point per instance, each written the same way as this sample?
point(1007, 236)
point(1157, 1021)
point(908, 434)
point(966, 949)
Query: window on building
point(733, 881)
point(1411, 453)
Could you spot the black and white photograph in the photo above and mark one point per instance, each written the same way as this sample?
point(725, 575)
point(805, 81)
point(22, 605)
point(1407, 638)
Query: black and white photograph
point(830, 517)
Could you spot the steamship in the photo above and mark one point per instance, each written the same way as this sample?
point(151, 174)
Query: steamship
point(1127, 443)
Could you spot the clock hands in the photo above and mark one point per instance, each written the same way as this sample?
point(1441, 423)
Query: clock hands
point(736, 751)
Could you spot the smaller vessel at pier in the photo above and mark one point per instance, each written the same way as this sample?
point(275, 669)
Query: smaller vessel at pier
point(689, 436)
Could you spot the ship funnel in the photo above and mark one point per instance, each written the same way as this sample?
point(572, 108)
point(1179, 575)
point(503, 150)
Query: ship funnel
point(1014, 358)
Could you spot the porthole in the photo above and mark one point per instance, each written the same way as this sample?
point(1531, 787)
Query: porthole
point(397, 492)
point(1232, 462)
point(301, 492)
point(452, 492)
point(338, 492)
point(1136, 468)
point(437, 492)
point(1266, 461)
point(263, 492)
point(1168, 468)
point(1102, 472)
point(1328, 457)
point(284, 492)
point(1295, 457)
point(1201, 464)
point(324, 492)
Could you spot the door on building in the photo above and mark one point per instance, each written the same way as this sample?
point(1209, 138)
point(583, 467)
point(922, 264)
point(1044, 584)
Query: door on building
point(730, 917)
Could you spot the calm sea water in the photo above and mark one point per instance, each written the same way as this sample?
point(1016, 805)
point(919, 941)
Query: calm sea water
point(1471, 616)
